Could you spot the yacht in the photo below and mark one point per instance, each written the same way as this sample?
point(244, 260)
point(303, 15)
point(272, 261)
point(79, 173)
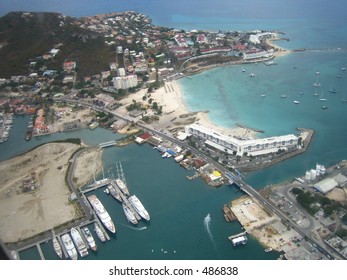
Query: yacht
point(90, 239)
point(139, 208)
point(129, 214)
point(69, 246)
point(122, 186)
point(102, 213)
point(81, 246)
point(57, 248)
point(99, 232)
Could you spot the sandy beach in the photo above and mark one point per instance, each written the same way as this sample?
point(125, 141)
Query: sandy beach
point(176, 115)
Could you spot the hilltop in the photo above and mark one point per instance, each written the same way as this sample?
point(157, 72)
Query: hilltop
point(27, 36)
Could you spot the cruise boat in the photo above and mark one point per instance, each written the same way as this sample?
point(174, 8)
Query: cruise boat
point(81, 246)
point(122, 186)
point(102, 213)
point(99, 233)
point(136, 203)
point(90, 239)
point(129, 214)
point(69, 246)
point(57, 247)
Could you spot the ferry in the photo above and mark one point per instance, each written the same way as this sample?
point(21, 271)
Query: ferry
point(81, 246)
point(69, 246)
point(57, 247)
point(122, 186)
point(129, 214)
point(99, 233)
point(90, 239)
point(136, 203)
point(102, 213)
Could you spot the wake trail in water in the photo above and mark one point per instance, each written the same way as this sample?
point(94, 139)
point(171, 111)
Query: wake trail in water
point(134, 228)
point(207, 222)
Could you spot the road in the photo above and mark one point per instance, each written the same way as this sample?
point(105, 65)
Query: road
point(248, 189)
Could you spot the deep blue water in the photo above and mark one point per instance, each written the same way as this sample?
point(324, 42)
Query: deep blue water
point(177, 206)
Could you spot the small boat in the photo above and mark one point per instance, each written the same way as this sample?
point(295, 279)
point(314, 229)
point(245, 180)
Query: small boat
point(324, 107)
point(90, 239)
point(269, 249)
point(317, 73)
point(301, 93)
point(339, 76)
point(316, 83)
point(251, 74)
point(99, 233)
point(343, 68)
point(57, 248)
point(333, 90)
point(263, 95)
point(243, 69)
point(284, 96)
point(296, 102)
point(107, 191)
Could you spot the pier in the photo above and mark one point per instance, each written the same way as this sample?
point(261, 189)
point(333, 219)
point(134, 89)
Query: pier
point(237, 235)
point(97, 184)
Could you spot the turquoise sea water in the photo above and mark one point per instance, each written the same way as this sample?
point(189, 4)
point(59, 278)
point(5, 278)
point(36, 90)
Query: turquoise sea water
point(178, 207)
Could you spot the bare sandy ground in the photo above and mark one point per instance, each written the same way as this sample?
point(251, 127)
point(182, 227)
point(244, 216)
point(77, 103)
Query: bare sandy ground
point(26, 214)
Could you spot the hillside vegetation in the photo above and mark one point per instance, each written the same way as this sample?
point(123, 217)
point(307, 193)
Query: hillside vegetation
point(25, 37)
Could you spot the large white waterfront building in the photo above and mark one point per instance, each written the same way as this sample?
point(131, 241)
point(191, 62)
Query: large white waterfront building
point(250, 147)
point(125, 82)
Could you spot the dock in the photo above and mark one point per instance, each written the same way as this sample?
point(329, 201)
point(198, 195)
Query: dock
point(40, 251)
point(107, 144)
point(231, 237)
point(228, 214)
point(97, 184)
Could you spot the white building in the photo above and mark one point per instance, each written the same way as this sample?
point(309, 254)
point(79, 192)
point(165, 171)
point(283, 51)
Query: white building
point(251, 147)
point(254, 54)
point(125, 82)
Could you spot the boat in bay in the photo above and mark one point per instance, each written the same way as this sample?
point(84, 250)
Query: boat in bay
point(99, 232)
point(139, 208)
point(81, 246)
point(240, 240)
point(90, 239)
point(69, 246)
point(267, 250)
point(316, 83)
point(129, 214)
point(296, 102)
point(102, 213)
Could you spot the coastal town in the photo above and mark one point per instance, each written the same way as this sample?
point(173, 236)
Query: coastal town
point(136, 94)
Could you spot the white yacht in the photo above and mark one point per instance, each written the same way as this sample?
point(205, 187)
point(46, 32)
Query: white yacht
point(102, 213)
point(90, 239)
point(99, 233)
point(121, 185)
point(81, 246)
point(140, 209)
point(69, 246)
point(129, 214)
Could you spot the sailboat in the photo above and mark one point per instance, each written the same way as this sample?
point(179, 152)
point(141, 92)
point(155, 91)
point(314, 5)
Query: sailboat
point(316, 83)
point(315, 92)
point(322, 97)
point(344, 99)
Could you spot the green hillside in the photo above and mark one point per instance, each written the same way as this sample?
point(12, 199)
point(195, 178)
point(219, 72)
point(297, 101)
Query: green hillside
point(25, 37)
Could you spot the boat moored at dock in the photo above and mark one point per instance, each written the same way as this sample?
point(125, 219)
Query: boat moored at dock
point(139, 208)
point(241, 240)
point(90, 239)
point(99, 233)
point(69, 246)
point(102, 213)
point(121, 185)
point(56, 246)
point(129, 214)
point(81, 246)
